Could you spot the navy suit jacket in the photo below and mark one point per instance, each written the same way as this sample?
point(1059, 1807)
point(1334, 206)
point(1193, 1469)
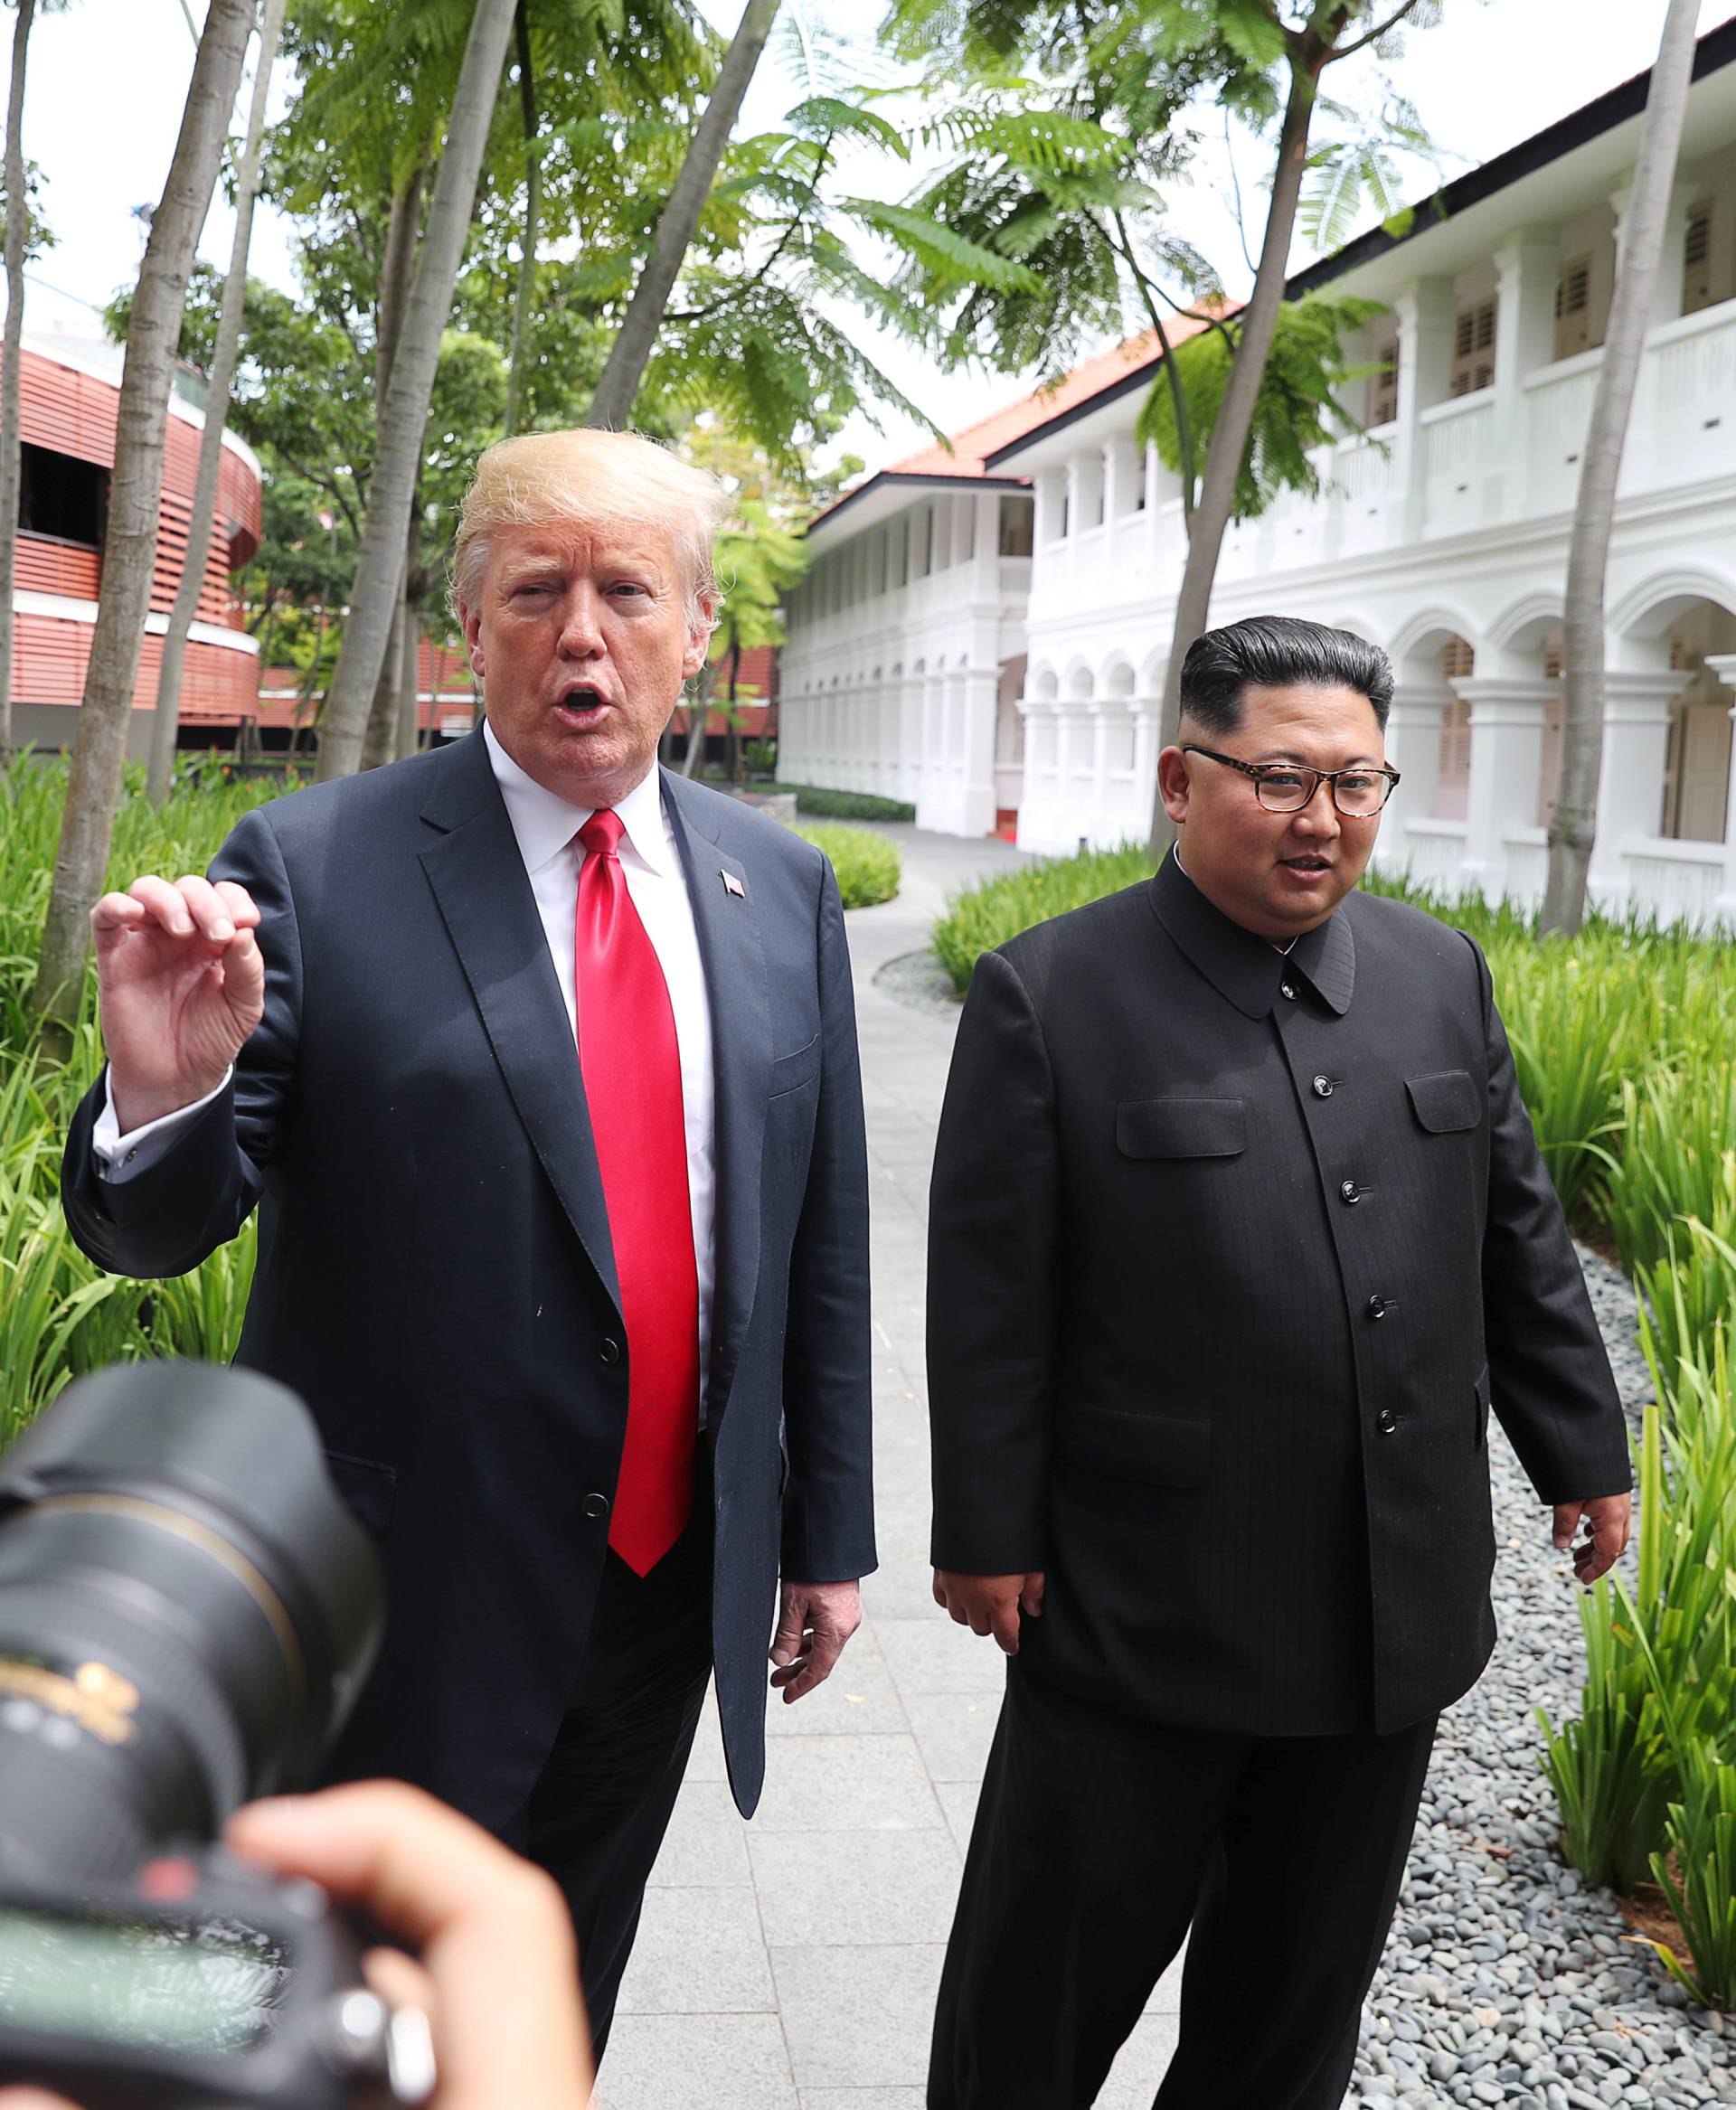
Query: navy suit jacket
point(435, 1275)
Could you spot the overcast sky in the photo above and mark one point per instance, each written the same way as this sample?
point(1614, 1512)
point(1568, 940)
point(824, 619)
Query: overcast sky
point(108, 79)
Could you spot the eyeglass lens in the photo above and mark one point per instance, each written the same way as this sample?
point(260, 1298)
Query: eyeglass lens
point(1287, 791)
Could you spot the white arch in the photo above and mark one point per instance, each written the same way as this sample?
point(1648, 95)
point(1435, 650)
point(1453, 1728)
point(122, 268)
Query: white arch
point(1525, 625)
point(1426, 624)
point(1079, 679)
point(1648, 610)
point(1117, 677)
point(1044, 683)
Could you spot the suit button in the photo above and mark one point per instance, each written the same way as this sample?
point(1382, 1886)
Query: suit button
point(596, 1505)
point(1377, 1307)
point(1323, 1087)
point(1288, 989)
point(1387, 1422)
point(1350, 1192)
point(609, 1349)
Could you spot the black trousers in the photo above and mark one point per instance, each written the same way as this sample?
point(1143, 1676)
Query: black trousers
point(597, 1816)
point(1098, 1839)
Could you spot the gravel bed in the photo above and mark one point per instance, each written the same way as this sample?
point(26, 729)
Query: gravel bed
point(1506, 1980)
point(921, 982)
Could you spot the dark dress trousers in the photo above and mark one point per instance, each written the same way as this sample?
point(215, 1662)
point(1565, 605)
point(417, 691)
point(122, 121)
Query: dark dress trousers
point(1231, 1253)
point(435, 1275)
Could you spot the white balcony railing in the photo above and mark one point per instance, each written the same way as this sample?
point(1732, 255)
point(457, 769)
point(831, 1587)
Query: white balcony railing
point(1472, 463)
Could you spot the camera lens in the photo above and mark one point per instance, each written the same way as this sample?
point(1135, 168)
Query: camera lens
point(187, 1612)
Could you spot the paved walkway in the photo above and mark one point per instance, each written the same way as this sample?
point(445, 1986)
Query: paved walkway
point(791, 1963)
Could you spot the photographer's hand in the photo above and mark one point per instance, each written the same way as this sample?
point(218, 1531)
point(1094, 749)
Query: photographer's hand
point(492, 1932)
point(498, 1979)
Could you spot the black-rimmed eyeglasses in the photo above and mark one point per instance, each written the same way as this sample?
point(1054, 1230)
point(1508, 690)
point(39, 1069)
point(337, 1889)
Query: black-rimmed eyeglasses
point(1284, 787)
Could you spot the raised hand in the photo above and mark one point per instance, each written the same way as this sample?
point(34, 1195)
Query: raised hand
point(181, 985)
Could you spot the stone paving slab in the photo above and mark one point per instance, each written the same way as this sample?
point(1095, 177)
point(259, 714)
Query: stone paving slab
point(791, 1963)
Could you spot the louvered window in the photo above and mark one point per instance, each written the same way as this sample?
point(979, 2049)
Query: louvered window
point(1696, 261)
point(1572, 308)
point(1473, 348)
point(1383, 386)
point(1456, 662)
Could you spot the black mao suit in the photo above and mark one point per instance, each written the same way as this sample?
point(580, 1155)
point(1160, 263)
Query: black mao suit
point(435, 1275)
point(1230, 1252)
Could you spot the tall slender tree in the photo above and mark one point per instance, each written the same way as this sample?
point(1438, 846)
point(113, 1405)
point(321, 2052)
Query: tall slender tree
point(130, 548)
point(17, 241)
point(1329, 32)
point(612, 405)
point(380, 565)
point(167, 722)
point(1572, 827)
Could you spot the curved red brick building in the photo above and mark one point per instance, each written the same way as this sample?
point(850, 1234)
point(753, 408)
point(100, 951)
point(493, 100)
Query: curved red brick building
point(69, 397)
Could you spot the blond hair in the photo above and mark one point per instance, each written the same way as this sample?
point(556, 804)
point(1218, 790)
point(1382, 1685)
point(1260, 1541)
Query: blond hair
point(598, 480)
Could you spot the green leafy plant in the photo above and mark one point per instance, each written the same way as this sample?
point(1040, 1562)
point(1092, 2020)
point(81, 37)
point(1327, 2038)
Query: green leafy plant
point(868, 867)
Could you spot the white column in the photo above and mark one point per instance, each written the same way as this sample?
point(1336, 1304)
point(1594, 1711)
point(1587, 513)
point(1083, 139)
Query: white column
point(933, 770)
point(1148, 734)
point(1723, 664)
point(980, 706)
point(1506, 762)
point(1630, 783)
point(1413, 750)
point(1530, 264)
point(1424, 310)
point(910, 736)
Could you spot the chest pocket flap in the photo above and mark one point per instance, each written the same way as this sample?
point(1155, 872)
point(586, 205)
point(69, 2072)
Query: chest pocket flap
point(1181, 1127)
point(1445, 1102)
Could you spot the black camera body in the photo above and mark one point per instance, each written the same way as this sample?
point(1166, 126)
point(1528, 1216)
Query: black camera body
point(238, 1991)
point(187, 1613)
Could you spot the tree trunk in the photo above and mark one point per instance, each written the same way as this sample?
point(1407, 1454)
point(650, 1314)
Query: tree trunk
point(134, 491)
point(403, 227)
point(17, 228)
point(408, 669)
point(612, 406)
point(379, 744)
point(167, 722)
point(693, 762)
point(398, 458)
point(1236, 413)
point(515, 390)
point(404, 741)
point(1572, 828)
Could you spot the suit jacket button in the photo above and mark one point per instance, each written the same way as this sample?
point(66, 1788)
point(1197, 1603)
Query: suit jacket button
point(609, 1349)
point(1323, 1087)
point(1288, 989)
point(1350, 1192)
point(1377, 1307)
point(1387, 1422)
point(596, 1505)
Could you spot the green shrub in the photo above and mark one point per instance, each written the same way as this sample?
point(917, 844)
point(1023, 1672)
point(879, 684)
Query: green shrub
point(59, 1314)
point(868, 867)
point(844, 806)
point(1697, 1873)
point(987, 915)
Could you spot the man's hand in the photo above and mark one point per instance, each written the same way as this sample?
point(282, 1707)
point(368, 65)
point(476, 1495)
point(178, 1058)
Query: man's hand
point(990, 1604)
point(181, 983)
point(815, 1621)
point(498, 1980)
point(1607, 1521)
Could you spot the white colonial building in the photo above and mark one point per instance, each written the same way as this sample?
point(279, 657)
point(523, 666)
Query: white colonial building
point(919, 664)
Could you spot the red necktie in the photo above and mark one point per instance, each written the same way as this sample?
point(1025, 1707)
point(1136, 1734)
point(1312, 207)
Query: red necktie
point(631, 1065)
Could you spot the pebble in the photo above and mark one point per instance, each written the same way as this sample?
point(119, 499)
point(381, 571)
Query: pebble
point(1507, 1978)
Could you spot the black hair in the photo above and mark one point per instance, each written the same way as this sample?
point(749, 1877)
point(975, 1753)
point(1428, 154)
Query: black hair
point(1277, 652)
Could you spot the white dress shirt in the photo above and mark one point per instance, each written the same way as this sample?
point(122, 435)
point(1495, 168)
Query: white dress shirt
point(545, 827)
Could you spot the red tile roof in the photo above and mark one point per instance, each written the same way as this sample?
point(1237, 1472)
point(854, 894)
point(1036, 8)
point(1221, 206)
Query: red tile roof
point(1001, 428)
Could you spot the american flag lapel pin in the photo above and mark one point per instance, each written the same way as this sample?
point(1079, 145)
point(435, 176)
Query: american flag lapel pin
point(731, 885)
